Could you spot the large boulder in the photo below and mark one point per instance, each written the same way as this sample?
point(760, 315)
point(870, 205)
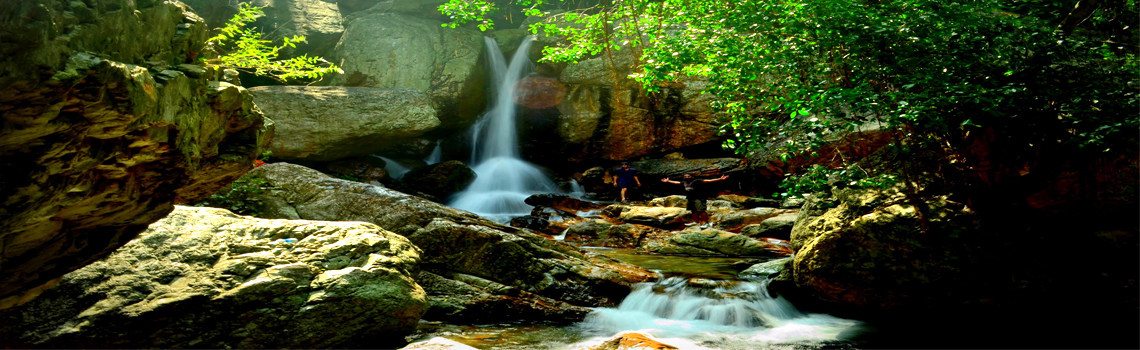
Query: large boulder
point(107, 122)
point(392, 50)
point(318, 21)
point(874, 250)
point(717, 242)
point(440, 179)
point(207, 278)
point(454, 241)
point(325, 123)
point(607, 115)
point(779, 226)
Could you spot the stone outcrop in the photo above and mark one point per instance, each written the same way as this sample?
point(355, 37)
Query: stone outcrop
point(779, 226)
point(455, 242)
point(717, 242)
point(392, 50)
point(855, 252)
point(607, 115)
point(736, 221)
point(107, 121)
point(206, 278)
point(319, 21)
point(440, 179)
point(316, 123)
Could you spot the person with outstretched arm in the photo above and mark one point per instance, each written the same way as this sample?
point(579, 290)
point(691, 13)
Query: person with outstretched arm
point(624, 177)
point(695, 197)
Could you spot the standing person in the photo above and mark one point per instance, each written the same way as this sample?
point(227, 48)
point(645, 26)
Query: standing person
point(625, 176)
point(695, 197)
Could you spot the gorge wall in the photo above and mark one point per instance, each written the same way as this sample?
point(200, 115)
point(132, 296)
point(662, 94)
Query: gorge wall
point(108, 120)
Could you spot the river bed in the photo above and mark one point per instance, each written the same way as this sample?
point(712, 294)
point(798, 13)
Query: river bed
point(699, 304)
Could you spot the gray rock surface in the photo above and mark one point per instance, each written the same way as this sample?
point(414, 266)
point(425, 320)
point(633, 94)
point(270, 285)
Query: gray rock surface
point(325, 123)
point(107, 121)
point(453, 241)
point(766, 269)
point(715, 242)
point(319, 21)
point(779, 226)
point(393, 50)
point(206, 278)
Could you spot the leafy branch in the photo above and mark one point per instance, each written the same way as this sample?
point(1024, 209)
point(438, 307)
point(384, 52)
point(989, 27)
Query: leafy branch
point(244, 49)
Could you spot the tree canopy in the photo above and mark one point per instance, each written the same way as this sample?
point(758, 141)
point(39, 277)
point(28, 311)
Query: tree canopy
point(1050, 74)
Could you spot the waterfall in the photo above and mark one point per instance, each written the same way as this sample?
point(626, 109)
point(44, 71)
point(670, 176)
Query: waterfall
point(730, 314)
point(394, 168)
point(436, 155)
point(504, 180)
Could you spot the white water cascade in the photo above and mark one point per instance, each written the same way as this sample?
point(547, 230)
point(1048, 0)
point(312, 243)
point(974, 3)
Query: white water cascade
point(702, 314)
point(504, 180)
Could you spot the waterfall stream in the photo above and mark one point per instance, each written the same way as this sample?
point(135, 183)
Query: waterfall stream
point(504, 180)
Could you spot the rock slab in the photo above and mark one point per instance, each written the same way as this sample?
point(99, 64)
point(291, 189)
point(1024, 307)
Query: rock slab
point(207, 278)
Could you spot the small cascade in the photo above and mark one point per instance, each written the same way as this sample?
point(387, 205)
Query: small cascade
point(739, 313)
point(504, 180)
point(394, 168)
point(576, 189)
point(436, 155)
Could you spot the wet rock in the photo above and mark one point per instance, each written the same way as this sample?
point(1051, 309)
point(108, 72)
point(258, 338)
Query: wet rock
point(562, 202)
point(465, 299)
point(854, 253)
point(206, 278)
point(319, 21)
point(717, 242)
point(441, 179)
point(601, 233)
point(632, 341)
point(750, 202)
point(793, 203)
point(416, 53)
point(779, 226)
point(106, 123)
point(437, 343)
point(325, 123)
point(531, 222)
point(454, 241)
point(766, 269)
point(364, 169)
point(736, 221)
point(664, 217)
point(676, 201)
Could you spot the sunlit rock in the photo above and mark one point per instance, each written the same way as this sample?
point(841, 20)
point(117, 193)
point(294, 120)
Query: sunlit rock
point(736, 221)
point(717, 242)
point(108, 120)
point(779, 226)
point(206, 278)
point(393, 50)
point(324, 123)
point(437, 343)
point(453, 241)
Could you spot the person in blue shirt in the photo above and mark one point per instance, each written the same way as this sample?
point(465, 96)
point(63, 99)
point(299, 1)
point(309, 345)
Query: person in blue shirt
point(695, 195)
point(624, 177)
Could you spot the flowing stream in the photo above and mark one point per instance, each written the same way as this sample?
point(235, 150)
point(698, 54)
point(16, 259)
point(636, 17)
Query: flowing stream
point(698, 305)
point(504, 179)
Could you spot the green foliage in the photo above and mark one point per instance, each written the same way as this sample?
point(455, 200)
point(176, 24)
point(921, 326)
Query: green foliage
point(245, 49)
point(929, 72)
point(820, 179)
point(239, 197)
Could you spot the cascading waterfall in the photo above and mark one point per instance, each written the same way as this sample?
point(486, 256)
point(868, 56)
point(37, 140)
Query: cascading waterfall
point(436, 155)
point(504, 180)
point(729, 314)
point(394, 168)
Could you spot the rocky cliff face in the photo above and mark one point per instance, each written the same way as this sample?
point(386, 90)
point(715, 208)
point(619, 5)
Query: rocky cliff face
point(107, 122)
